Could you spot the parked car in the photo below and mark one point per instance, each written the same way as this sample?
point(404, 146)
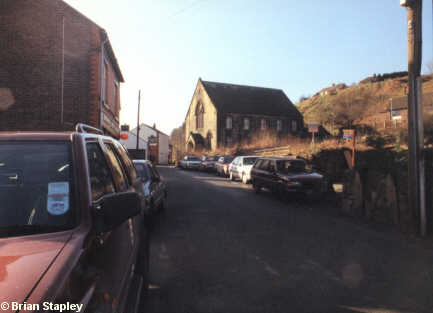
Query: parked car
point(72, 222)
point(190, 163)
point(241, 168)
point(207, 163)
point(222, 166)
point(155, 189)
point(284, 176)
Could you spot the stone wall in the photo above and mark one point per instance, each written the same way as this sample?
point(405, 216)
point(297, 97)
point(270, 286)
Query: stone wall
point(377, 197)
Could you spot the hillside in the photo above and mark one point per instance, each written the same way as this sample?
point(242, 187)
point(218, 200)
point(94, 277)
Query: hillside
point(356, 104)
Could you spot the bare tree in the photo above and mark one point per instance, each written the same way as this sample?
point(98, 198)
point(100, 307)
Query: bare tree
point(429, 67)
point(177, 140)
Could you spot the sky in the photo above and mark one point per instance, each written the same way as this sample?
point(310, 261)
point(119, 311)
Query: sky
point(163, 47)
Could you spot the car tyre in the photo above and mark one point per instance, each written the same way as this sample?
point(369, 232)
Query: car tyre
point(281, 194)
point(163, 205)
point(244, 178)
point(257, 188)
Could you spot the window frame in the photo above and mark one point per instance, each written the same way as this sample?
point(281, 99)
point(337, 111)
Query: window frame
point(106, 164)
point(294, 126)
point(229, 142)
point(279, 125)
point(246, 123)
point(119, 174)
point(229, 122)
point(104, 83)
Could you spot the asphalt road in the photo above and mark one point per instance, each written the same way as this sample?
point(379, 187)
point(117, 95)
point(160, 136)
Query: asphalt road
point(219, 247)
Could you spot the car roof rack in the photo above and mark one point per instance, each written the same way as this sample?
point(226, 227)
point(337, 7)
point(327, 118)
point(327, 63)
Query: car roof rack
point(83, 128)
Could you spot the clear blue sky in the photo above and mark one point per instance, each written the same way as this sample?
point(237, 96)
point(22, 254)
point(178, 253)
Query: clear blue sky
point(164, 46)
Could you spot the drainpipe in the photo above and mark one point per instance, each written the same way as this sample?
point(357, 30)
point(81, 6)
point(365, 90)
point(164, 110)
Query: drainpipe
point(102, 69)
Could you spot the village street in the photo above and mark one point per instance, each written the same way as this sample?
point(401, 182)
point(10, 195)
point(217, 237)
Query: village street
point(219, 247)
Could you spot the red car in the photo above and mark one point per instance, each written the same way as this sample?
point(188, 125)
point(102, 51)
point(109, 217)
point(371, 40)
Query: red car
point(207, 163)
point(73, 224)
point(222, 166)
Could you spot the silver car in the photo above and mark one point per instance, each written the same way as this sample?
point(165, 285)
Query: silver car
point(155, 189)
point(241, 168)
point(190, 163)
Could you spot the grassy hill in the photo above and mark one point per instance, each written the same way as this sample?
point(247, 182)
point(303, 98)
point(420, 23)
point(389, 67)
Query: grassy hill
point(356, 104)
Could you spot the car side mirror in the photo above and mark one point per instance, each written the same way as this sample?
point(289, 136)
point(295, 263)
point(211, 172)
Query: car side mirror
point(115, 209)
point(155, 180)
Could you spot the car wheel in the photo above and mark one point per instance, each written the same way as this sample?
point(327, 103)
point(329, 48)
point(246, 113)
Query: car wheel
point(281, 193)
point(231, 176)
point(257, 188)
point(141, 272)
point(152, 217)
point(163, 205)
point(244, 178)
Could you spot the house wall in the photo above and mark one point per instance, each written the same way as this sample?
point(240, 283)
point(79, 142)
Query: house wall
point(40, 93)
point(239, 134)
point(209, 131)
point(161, 149)
point(214, 123)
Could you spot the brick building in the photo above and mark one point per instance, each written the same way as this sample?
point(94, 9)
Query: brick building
point(397, 107)
point(225, 114)
point(57, 69)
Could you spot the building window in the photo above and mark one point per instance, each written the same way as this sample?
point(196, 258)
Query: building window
point(263, 124)
point(279, 125)
point(104, 82)
point(229, 122)
point(229, 141)
point(294, 126)
point(199, 115)
point(396, 114)
point(246, 123)
point(116, 102)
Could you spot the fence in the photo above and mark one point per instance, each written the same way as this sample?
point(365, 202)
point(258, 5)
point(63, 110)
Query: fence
point(275, 152)
point(382, 125)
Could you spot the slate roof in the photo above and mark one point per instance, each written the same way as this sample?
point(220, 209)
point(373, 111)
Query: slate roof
point(401, 102)
point(237, 99)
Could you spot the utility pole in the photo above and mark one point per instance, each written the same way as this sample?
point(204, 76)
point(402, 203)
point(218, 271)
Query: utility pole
point(138, 120)
point(416, 159)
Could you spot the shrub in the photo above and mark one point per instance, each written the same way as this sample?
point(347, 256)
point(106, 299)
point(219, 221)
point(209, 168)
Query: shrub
point(376, 141)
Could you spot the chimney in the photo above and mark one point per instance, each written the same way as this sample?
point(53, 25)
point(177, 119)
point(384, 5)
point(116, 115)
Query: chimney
point(154, 125)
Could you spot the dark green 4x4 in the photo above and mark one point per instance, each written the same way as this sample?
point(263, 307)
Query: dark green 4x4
point(284, 176)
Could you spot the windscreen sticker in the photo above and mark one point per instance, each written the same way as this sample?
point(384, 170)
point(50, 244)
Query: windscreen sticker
point(58, 198)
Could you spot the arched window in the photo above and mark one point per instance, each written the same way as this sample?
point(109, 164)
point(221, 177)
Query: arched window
point(199, 111)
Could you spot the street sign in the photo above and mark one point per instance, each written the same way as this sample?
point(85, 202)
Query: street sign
point(152, 140)
point(349, 137)
point(313, 127)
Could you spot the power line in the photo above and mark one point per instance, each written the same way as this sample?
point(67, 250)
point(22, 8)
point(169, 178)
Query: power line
point(160, 22)
point(198, 10)
point(170, 17)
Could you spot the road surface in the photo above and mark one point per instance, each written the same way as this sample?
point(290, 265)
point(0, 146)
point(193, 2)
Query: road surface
point(219, 247)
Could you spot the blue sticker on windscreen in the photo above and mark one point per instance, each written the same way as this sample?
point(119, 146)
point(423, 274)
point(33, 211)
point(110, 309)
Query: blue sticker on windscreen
point(58, 198)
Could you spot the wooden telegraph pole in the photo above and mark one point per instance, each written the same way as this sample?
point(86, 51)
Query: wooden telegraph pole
point(416, 163)
point(138, 120)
